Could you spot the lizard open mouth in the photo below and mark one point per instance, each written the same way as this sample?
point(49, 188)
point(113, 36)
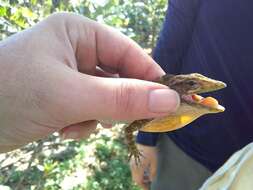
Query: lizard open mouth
point(206, 102)
point(189, 86)
point(192, 105)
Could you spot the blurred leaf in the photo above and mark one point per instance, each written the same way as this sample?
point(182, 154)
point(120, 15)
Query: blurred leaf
point(3, 11)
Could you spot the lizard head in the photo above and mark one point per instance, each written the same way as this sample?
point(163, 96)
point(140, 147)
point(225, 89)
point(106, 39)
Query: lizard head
point(193, 83)
point(189, 85)
point(192, 105)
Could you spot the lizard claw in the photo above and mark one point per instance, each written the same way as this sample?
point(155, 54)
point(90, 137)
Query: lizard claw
point(137, 157)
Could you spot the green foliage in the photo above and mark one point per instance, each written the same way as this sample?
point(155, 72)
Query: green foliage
point(98, 163)
point(138, 19)
point(111, 172)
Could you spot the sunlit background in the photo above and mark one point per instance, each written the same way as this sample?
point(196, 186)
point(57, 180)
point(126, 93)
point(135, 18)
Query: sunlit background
point(97, 163)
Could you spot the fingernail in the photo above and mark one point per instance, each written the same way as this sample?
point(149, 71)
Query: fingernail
point(163, 100)
point(70, 135)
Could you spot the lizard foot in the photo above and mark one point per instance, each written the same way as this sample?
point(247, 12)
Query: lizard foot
point(137, 157)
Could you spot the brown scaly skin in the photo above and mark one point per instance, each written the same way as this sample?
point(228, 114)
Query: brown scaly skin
point(188, 111)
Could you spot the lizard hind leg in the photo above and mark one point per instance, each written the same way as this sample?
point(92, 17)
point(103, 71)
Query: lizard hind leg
point(129, 134)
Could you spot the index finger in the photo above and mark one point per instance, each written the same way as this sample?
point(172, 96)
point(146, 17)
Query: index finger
point(118, 52)
point(138, 173)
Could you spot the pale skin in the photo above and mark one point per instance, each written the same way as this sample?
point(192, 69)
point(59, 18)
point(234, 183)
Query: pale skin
point(67, 73)
point(148, 165)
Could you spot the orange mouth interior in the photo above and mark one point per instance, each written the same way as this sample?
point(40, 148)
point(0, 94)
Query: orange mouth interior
point(208, 101)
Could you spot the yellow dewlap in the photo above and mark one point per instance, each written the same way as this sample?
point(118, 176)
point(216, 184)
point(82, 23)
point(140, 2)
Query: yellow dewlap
point(170, 123)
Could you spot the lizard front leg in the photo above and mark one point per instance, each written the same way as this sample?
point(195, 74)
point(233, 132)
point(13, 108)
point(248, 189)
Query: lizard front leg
point(129, 135)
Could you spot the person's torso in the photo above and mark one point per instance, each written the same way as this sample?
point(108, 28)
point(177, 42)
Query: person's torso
point(221, 47)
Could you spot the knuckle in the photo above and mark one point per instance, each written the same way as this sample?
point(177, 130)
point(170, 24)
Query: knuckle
point(64, 19)
point(56, 18)
point(124, 98)
point(61, 16)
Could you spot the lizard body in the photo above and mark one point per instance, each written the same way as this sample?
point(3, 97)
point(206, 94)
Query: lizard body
point(190, 108)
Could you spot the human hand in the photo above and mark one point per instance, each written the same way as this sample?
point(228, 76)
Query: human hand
point(51, 81)
point(144, 173)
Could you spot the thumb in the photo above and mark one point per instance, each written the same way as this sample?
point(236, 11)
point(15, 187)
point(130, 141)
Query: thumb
point(123, 99)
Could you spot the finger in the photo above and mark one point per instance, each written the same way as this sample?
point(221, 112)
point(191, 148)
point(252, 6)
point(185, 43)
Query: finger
point(138, 173)
point(106, 125)
point(104, 46)
point(120, 53)
point(107, 69)
point(102, 73)
point(99, 98)
point(79, 130)
point(7, 148)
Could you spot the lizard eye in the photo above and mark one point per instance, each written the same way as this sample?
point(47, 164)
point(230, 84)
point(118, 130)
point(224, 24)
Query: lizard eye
point(191, 83)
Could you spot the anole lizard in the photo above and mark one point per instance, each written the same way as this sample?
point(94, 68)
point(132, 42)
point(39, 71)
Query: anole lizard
point(192, 106)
